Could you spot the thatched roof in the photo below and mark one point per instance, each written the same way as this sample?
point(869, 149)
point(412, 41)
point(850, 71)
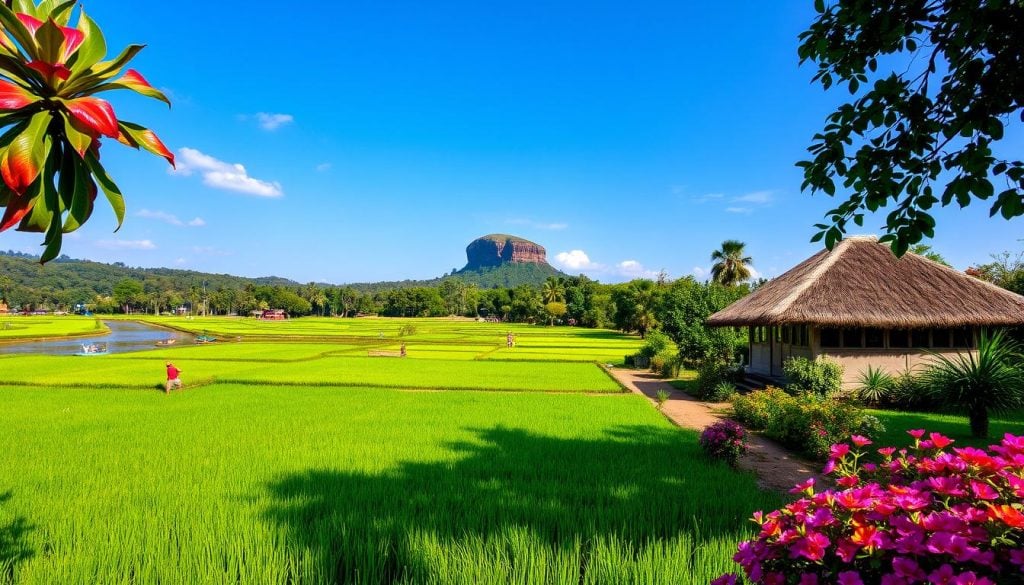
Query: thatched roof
point(860, 283)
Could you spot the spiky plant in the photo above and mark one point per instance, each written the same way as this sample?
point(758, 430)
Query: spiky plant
point(875, 384)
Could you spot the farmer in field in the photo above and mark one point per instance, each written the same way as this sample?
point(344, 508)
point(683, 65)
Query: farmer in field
point(510, 340)
point(173, 378)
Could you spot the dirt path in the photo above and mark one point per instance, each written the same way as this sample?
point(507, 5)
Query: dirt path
point(775, 467)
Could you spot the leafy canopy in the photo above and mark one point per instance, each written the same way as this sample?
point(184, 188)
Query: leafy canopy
point(51, 123)
point(935, 83)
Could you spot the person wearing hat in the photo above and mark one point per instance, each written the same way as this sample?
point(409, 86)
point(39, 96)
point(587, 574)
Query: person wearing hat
point(173, 379)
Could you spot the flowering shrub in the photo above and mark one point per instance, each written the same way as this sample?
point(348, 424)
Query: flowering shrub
point(725, 440)
point(930, 513)
point(808, 422)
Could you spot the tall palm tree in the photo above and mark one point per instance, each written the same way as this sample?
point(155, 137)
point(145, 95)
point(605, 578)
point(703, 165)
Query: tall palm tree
point(553, 290)
point(731, 266)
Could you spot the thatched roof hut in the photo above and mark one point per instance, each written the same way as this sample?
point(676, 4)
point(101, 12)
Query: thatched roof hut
point(860, 283)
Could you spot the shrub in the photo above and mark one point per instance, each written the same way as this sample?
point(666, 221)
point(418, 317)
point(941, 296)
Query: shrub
point(655, 343)
point(875, 384)
point(406, 330)
point(666, 364)
point(819, 376)
point(722, 392)
point(807, 423)
point(923, 514)
point(711, 373)
point(725, 440)
point(908, 392)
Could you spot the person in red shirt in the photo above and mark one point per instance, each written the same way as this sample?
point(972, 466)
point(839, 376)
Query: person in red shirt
point(173, 379)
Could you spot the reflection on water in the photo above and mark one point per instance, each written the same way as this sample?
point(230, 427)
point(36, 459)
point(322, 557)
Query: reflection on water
point(124, 336)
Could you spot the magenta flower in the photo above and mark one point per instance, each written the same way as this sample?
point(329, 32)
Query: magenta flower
point(849, 578)
point(916, 433)
point(860, 440)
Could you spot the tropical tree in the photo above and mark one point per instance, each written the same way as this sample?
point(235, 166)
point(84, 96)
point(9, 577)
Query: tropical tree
point(553, 290)
point(730, 266)
point(554, 310)
point(990, 380)
point(52, 122)
point(935, 84)
point(927, 251)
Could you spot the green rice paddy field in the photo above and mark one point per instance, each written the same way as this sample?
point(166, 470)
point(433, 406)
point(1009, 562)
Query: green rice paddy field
point(281, 464)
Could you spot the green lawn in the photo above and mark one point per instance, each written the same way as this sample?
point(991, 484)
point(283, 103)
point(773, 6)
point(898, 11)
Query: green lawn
point(264, 484)
point(954, 426)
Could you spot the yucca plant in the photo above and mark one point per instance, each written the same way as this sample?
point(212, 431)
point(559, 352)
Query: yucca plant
point(989, 380)
point(875, 384)
point(52, 123)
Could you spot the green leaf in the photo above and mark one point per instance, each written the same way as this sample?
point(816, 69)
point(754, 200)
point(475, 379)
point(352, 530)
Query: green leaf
point(10, 23)
point(62, 12)
point(81, 201)
point(78, 141)
point(50, 39)
point(108, 186)
point(93, 48)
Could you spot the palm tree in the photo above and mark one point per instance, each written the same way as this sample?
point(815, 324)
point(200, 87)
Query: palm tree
point(731, 267)
point(989, 380)
point(553, 290)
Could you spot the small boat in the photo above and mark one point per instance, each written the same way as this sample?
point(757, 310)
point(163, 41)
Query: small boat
point(166, 342)
point(205, 339)
point(94, 349)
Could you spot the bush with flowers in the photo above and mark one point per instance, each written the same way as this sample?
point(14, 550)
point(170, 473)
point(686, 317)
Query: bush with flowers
point(725, 440)
point(928, 514)
point(808, 423)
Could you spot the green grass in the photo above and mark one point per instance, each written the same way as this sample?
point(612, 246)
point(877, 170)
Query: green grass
point(954, 426)
point(36, 327)
point(307, 366)
point(263, 484)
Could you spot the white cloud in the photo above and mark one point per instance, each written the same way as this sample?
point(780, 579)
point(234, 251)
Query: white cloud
point(756, 197)
point(634, 269)
point(739, 210)
point(709, 197)
point(210, 251)
point(169, 218)
point(180, 261)
point(576, 260)
point(127, 244)
point(222, 175)
point(552, 226)
point(271, 122)
point(322, 167)
point(700, 273)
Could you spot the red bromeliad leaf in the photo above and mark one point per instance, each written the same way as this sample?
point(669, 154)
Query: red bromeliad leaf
point(134, 135)
point(72, 40)
point(50, 71)
point(22, 160)
point(95, 114)
point(134, 81)
point(14, 97)
point(17, 208)
point(31, 23)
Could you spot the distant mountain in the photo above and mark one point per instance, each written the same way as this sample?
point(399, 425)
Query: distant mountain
point(501, 260)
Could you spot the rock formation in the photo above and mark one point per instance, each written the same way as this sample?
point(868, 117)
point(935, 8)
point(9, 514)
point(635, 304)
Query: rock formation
point(499, 249)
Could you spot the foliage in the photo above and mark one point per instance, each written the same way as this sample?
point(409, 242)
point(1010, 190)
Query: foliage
point(711, 375)
point(937, 116)
point(682, 310)
point(808, 423)
point(908, 391)
point(407, 330)
point(924, 514)
point(927, 251)
point(508, 275)
point(53, 122)
point(725, 440)
point(821, 376)
point(1006, 270)
point(265, 484)
point(875, 384)
point(555, 310)
point(722, 392)
point(635, 306)
point(662, 397)
point(989, 380)
point(730, 266)
point(656, 342)
point(666, 363)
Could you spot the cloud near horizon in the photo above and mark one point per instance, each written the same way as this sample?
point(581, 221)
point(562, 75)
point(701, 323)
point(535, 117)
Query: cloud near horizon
point(221, 175)
point(579, 261)
point(126, 244)
point(269, 121)
point(170, 218)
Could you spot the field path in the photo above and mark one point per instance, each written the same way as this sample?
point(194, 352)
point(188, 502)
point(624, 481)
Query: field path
point(776, 467)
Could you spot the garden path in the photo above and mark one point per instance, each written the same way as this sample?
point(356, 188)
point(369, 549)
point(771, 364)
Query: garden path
point(776, 467)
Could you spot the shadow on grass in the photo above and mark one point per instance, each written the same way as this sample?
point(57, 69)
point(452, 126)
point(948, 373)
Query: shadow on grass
point(641, 486)
point(13, 548)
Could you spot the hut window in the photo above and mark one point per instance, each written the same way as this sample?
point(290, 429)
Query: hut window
point(853, 337)
point(829, 337)
point(963, 337)
point(941, 338)
point(919, 338)
point(800, 337)
point(874, 338)
point(786, 334)
point(899, 338)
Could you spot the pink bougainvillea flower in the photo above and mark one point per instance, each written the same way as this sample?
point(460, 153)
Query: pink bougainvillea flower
point(983, 491)
point(886, 451)
point(805, 486)
point(811, 547)
point(908, 569)
point(849, 578)
point(726, 579)
point(916, 433)
point(940, 441)
point(839, 450)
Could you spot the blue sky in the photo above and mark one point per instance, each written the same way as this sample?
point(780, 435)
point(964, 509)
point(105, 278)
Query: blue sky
point(377, 139)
